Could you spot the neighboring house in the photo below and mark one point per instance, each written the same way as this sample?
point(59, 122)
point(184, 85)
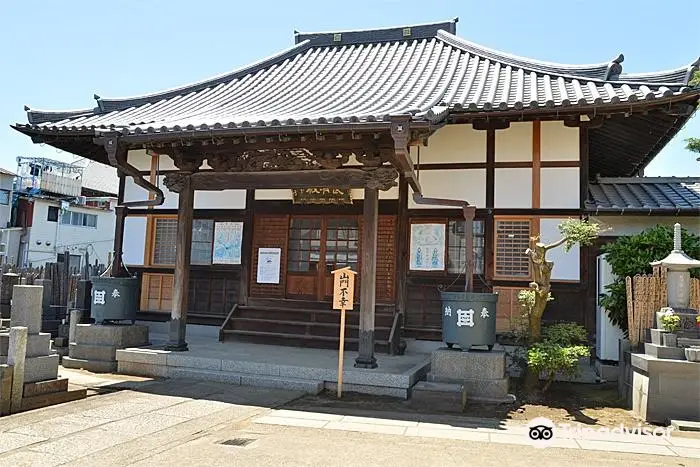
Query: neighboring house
point(57, 211)
point(7, 179)
point(393, 111)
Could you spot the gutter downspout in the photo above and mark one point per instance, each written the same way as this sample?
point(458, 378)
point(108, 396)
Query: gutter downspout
point(117, 159)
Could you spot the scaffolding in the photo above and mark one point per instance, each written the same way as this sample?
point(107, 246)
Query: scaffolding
point(38, 174)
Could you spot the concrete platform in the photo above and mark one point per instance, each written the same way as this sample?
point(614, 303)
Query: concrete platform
point(309, 370)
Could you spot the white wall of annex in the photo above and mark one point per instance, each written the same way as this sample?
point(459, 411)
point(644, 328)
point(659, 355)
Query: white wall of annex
point(617, 225)
point(559, 187)
point(453, 143)
point(134, 246)
point(6, 209)
point(514, 144)
point(558, 142)
point(567, 265)
point(463, 184)
point(391, 193)
point(277, 194)
point(61, 237)
point(513, 188)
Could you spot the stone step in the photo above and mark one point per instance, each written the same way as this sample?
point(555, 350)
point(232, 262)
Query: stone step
point(105, 353)
point(45, 387)
point(685, 425)
point(41, 368)
point(243, 379)
point(45, 400)
point(95, 366)
point(448, 397)
point(116, 335)
point(663, 352)
point(494, 388)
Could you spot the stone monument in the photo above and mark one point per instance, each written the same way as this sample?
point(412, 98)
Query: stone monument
point(666, 377)
point(28, 351)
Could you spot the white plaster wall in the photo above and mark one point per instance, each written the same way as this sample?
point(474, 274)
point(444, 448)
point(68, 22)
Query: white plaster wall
point(6, 209)
point(513, 188)
point(139, 159)
point(134, 245)
point(617, 225)
point(566, 265)
point(453, 143)
point(391, 193)
point(284, 194)
point(99, 241)
point(225, 199)
point(558, 142)
point(464, 184)
point(514, 143)
point(559, 187)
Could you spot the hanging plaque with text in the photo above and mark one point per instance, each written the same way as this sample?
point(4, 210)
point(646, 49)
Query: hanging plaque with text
point(321, 196)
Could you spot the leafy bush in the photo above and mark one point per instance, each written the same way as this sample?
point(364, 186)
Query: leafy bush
point(559, 351)
point(670, 320)
point(632, 255)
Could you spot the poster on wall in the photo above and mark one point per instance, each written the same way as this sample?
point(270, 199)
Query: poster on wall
point(269, 265)
point(427, 247)
point(228, 237)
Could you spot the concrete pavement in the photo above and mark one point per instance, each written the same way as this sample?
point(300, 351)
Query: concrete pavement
point(186, 422)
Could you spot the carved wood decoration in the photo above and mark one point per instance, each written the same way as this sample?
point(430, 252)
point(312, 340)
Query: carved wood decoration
point(382, 178)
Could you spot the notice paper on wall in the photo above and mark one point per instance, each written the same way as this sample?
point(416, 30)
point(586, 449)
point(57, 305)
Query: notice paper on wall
point(269, 265)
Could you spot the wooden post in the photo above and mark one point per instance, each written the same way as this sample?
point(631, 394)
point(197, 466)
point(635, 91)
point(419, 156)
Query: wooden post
point(247, 247)
point(366, 358)
point(343, 297)
point(183, 249)
point(341, 351)
point(402, 246)
point(118, 241)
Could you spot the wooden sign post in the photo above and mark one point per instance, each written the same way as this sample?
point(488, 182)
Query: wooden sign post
point(343, 291)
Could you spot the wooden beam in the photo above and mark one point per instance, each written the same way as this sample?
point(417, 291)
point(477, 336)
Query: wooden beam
point(490, 166)
point(382, 177)
point(368, 276)
point(183, 250)
point(117, 267)
point(401, 156)
point(469, 213)
point(583, 168)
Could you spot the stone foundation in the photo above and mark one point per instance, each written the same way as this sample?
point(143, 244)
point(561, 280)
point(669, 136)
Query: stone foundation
point(95, 345)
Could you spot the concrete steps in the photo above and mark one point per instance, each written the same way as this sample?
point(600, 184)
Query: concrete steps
point(246, 379)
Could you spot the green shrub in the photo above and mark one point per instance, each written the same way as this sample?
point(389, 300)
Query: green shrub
point(562, 346)
point(632, 255)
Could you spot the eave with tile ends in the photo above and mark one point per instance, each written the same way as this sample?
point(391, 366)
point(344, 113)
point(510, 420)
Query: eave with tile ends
point(644, 195)
point(360, 79)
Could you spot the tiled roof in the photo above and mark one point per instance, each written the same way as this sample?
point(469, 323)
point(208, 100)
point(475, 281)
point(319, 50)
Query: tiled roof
point(364, 76)
point(644, 194)
point(7, 172)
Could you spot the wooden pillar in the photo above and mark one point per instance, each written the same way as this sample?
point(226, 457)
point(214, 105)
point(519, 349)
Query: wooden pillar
point(247, 247)
point(117, 267)
point(183, 250)
point(469, 212)
point(402, 246)
point(366, 359)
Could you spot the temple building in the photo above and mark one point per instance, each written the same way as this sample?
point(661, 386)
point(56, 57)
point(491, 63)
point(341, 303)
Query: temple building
point(241, 193)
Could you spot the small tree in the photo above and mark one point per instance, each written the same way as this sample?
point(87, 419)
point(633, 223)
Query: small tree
point(573, 232)
point(694, 143)
point(559, 352)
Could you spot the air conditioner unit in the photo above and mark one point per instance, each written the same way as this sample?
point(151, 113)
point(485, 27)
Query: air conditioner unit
point(81, 200)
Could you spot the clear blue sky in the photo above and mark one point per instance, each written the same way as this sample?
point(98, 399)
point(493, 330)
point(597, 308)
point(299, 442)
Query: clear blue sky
point(56, 55)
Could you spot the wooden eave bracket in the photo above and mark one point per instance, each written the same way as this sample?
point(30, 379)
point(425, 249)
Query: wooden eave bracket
point(401, 157)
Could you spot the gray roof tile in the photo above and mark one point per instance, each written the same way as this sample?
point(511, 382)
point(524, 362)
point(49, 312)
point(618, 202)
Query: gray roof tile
point(362, 76)
point(644, 194)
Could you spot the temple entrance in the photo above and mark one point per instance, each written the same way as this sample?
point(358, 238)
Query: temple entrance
point(317, 245)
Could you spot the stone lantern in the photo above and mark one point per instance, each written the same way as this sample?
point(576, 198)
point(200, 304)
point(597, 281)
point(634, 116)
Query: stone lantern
point(678, 279)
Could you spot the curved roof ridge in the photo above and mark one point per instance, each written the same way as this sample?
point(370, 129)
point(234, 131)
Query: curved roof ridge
point(110, 104)
point(645, 179)
point(394, 33)
point(601, 71)
point(35, 116)
point(681, 74)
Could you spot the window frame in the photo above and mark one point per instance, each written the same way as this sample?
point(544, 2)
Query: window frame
point(54, 209)
point(494, 239)
point(9, 198)
point(483, 235)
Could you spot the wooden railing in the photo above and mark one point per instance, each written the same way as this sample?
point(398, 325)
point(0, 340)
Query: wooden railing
point(228, 318)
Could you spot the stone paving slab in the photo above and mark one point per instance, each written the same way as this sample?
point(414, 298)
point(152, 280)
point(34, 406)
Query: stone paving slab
point(193, 408)
point(510, 434)
point(10, 441)
point(56, 428)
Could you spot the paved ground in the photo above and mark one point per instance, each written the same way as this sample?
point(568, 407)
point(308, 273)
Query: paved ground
point(181, 422)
